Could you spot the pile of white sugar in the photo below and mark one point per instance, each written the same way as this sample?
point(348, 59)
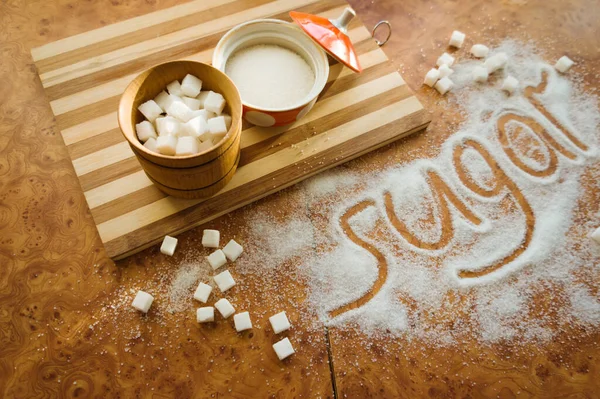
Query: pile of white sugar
point(270, 76)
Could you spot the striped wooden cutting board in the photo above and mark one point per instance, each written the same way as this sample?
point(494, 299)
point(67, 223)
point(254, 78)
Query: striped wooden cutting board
point(84, 76)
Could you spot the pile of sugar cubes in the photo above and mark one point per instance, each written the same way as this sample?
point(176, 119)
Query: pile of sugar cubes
point(440, 80)
point(224, 281)
point(184, 120)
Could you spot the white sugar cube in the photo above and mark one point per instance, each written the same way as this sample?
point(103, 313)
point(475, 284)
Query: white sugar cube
point(144, 131)
point(444, 85)
point(479, 50)
point(151, 144)
point(168, 245)
point(480, 74)
point(228, 120)
point(210, 238)
point(596, 235)
point(202, 292)
point(142, 301)
point(168, 126)
point(150, 110)
point(563, 64)
point(192, 103)
point(232, 250)
point(163, 100)
point(180, 111)
point(457, 39)
point(445, 59)
point(217, 127)
point(431, 77)
point(204, 113)
point(186, 145)
point(445, 71)
point(214, 102)
point(216, 260)
point(510, 84)
point(224, 307)
point(283, 348)
point(496, 62)
point(279, 322)
point(167, 145)
point(202, 97)
point(242, 321)
point(224, 280)
point(198, 128)
point(205, 315)
point(191, 85)
point(175, 88)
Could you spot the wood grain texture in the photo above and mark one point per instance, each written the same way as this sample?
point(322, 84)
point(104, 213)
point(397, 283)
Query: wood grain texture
point(85, 92)
point(55, 277)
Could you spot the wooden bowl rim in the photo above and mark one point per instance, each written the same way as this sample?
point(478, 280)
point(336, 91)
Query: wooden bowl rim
point(124, 112)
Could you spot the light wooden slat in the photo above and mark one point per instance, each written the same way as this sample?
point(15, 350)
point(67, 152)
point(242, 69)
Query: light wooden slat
point(122, 28)
point(183, 36)
point(167, 206)
point(90, 128)
point(116, 189)
point(116, 87)
point(102, 158)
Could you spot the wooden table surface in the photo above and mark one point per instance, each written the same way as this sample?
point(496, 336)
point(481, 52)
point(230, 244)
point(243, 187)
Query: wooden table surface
point(59, 335)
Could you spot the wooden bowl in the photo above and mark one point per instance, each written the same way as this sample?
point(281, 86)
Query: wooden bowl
point(191, 176)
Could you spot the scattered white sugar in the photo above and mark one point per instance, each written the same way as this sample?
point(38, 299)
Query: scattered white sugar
point(585, 307)
point(182, 287)
point(270, 76)
point(330, 181)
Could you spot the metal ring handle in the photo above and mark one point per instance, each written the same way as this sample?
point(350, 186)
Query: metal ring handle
point(384, 22)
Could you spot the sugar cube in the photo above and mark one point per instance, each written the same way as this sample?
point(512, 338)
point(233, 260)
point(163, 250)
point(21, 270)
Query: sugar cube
point(144, 131)
point(563, 64)
point(283, 348)
point(204, 113)
point(163, 100)
point(242, 321)
point(179, 111)
point(142, 301)
point(279, 322)
point(510, 84)
point(495, 62)
point(214, 102)
point(224, 307)
point(150, 110)
point(479, 50)
point(480, 74)
point(151, 144)
point(431, 77)
point(192, 103)
point(232, 250)
point(167, 145)
point(217, 127)
point(216, 260)
point(444, 85)
point(186, 145)
point(202, 292)
point(224, 280)
point(168, 245)
point(175, 88)
point(191, 85)
point(457, 39)
point(205, 315)
point(197, 127)
point(596, 235)
point(445, 59)
point(445, 71)
point(228, 120)
point(210, 238)
point(167, 125)
point(205, 146)
point(202, 97)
